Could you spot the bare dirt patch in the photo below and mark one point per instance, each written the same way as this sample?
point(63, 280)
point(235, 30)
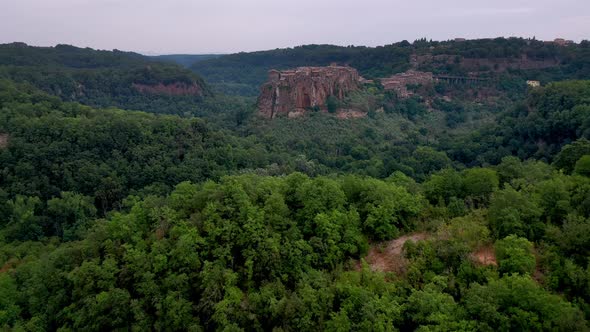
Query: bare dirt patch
point(296, 114)
point(388, 256)
point(3, 140)
point(351, 114)
point(485, 256)
point(11, 264)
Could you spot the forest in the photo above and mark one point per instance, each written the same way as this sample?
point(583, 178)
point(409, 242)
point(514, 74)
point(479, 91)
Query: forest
point(123, 210)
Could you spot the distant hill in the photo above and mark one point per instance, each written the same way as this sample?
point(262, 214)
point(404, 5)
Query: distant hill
point(104, 78)
point(512, 58)
point(243, 73)
point(185, 60)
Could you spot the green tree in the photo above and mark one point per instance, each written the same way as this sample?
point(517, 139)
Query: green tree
point(554, 198)
point(515, 255)
point(431, 309)
point(426, 160)
point(568, 156)
point(9, 309)
point(385, 208)
point(364, 301)
point(583, 166)
point(24, 222)
point(460, 237)
point(513, 212)
point(70, 214)
point(317, 196)
point(332, 103)
point(573, 238)
point(444, 185)
point(479, 184)
point(517, 302)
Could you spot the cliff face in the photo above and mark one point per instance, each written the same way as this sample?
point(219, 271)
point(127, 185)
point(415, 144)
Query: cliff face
point(399, 82)
point(293, 92)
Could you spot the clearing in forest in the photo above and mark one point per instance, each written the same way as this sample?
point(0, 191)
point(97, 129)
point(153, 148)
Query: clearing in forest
point(3, 140)
point(485, 256)
point(388, 256)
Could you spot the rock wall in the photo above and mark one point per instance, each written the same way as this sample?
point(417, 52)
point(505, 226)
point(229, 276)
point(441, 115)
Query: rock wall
point(300, 90)
point(399, 82)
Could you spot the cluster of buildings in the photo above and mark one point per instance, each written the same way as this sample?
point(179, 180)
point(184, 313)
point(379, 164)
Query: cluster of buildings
point(562, 42)
point(399, 82)
point(557, 41)
point(296, 91)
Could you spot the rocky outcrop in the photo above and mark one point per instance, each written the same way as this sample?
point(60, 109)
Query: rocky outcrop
point(174, 89)
point(294, 92)
point(399, 82)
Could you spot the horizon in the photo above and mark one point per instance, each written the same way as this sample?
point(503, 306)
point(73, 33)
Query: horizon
point(230, 26)
point(151, 54)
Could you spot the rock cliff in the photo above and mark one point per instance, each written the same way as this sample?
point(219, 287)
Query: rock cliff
point(294, 92)
point(399, 82)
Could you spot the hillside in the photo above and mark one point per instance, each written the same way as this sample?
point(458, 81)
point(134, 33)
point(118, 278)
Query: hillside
point(104, 78)
point(185, 60)
point(266, 252)
point(448, 206)
point(243, 73)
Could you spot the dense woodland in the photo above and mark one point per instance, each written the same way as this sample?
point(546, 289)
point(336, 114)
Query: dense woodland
point(128, 211)
point(185, 60)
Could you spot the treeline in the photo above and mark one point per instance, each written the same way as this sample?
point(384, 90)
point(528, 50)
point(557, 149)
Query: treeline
point(21, 54)
point(104, 78)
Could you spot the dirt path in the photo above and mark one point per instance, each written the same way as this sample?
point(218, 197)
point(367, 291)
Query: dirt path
point(3, 140)
point(388, 257)
point(485, 256)
point(8, 266)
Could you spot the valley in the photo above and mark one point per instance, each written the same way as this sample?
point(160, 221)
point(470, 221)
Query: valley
point(425, 185)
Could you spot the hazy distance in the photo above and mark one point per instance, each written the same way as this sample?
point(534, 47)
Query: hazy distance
point(225, 26)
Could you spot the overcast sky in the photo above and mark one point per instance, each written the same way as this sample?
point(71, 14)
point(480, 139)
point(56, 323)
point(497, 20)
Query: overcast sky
point(223, 26)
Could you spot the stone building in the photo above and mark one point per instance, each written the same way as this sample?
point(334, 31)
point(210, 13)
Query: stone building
point(533, 84)
point(399, 82)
